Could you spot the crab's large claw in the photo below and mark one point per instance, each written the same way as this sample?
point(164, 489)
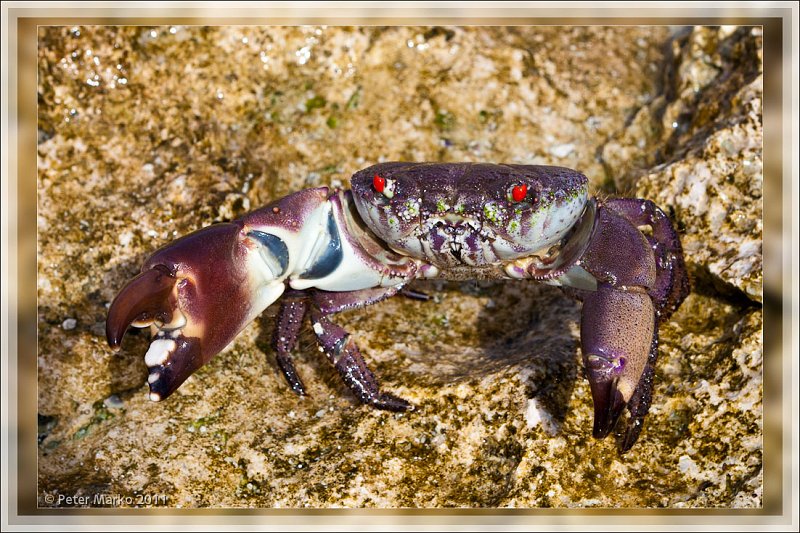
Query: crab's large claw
point(198, 292)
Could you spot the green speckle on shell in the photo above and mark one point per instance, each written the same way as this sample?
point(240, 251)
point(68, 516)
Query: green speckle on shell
point(491, 212)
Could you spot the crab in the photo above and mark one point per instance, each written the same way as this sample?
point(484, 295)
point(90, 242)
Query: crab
point(321, 251)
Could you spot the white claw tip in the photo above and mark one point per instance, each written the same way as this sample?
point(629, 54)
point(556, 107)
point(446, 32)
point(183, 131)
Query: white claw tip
point(155, 397)
point(159, 352)
point(152, 378)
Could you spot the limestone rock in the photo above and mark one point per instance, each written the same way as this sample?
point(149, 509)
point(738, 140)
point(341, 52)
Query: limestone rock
point(148, 133)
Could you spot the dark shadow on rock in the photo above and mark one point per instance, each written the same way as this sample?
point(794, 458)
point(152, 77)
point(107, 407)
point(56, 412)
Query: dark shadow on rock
point(533, 333)
point(524, 325)
point(705, 283)
point(739, 67)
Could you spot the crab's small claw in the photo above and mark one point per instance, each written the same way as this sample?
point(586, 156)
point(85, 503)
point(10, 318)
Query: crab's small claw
point(617, 329)
point(608, 400)
point(198, 292)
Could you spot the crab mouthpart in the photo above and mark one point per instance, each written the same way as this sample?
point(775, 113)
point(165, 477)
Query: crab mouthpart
point(456, 240)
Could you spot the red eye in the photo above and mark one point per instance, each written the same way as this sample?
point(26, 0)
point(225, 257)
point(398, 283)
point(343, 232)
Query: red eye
point(379, 183)
point(519, 192)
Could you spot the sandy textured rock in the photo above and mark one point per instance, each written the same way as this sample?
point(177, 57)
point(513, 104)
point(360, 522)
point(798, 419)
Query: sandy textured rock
point(148, 133)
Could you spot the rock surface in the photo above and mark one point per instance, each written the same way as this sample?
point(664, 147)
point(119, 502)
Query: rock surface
point(148, 133)
point(697, 148)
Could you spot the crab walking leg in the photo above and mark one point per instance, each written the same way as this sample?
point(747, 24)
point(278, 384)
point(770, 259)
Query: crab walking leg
point(284, 339)
point(342, 351)
point(415, 295)
point(329, 303)
point(617, 334)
